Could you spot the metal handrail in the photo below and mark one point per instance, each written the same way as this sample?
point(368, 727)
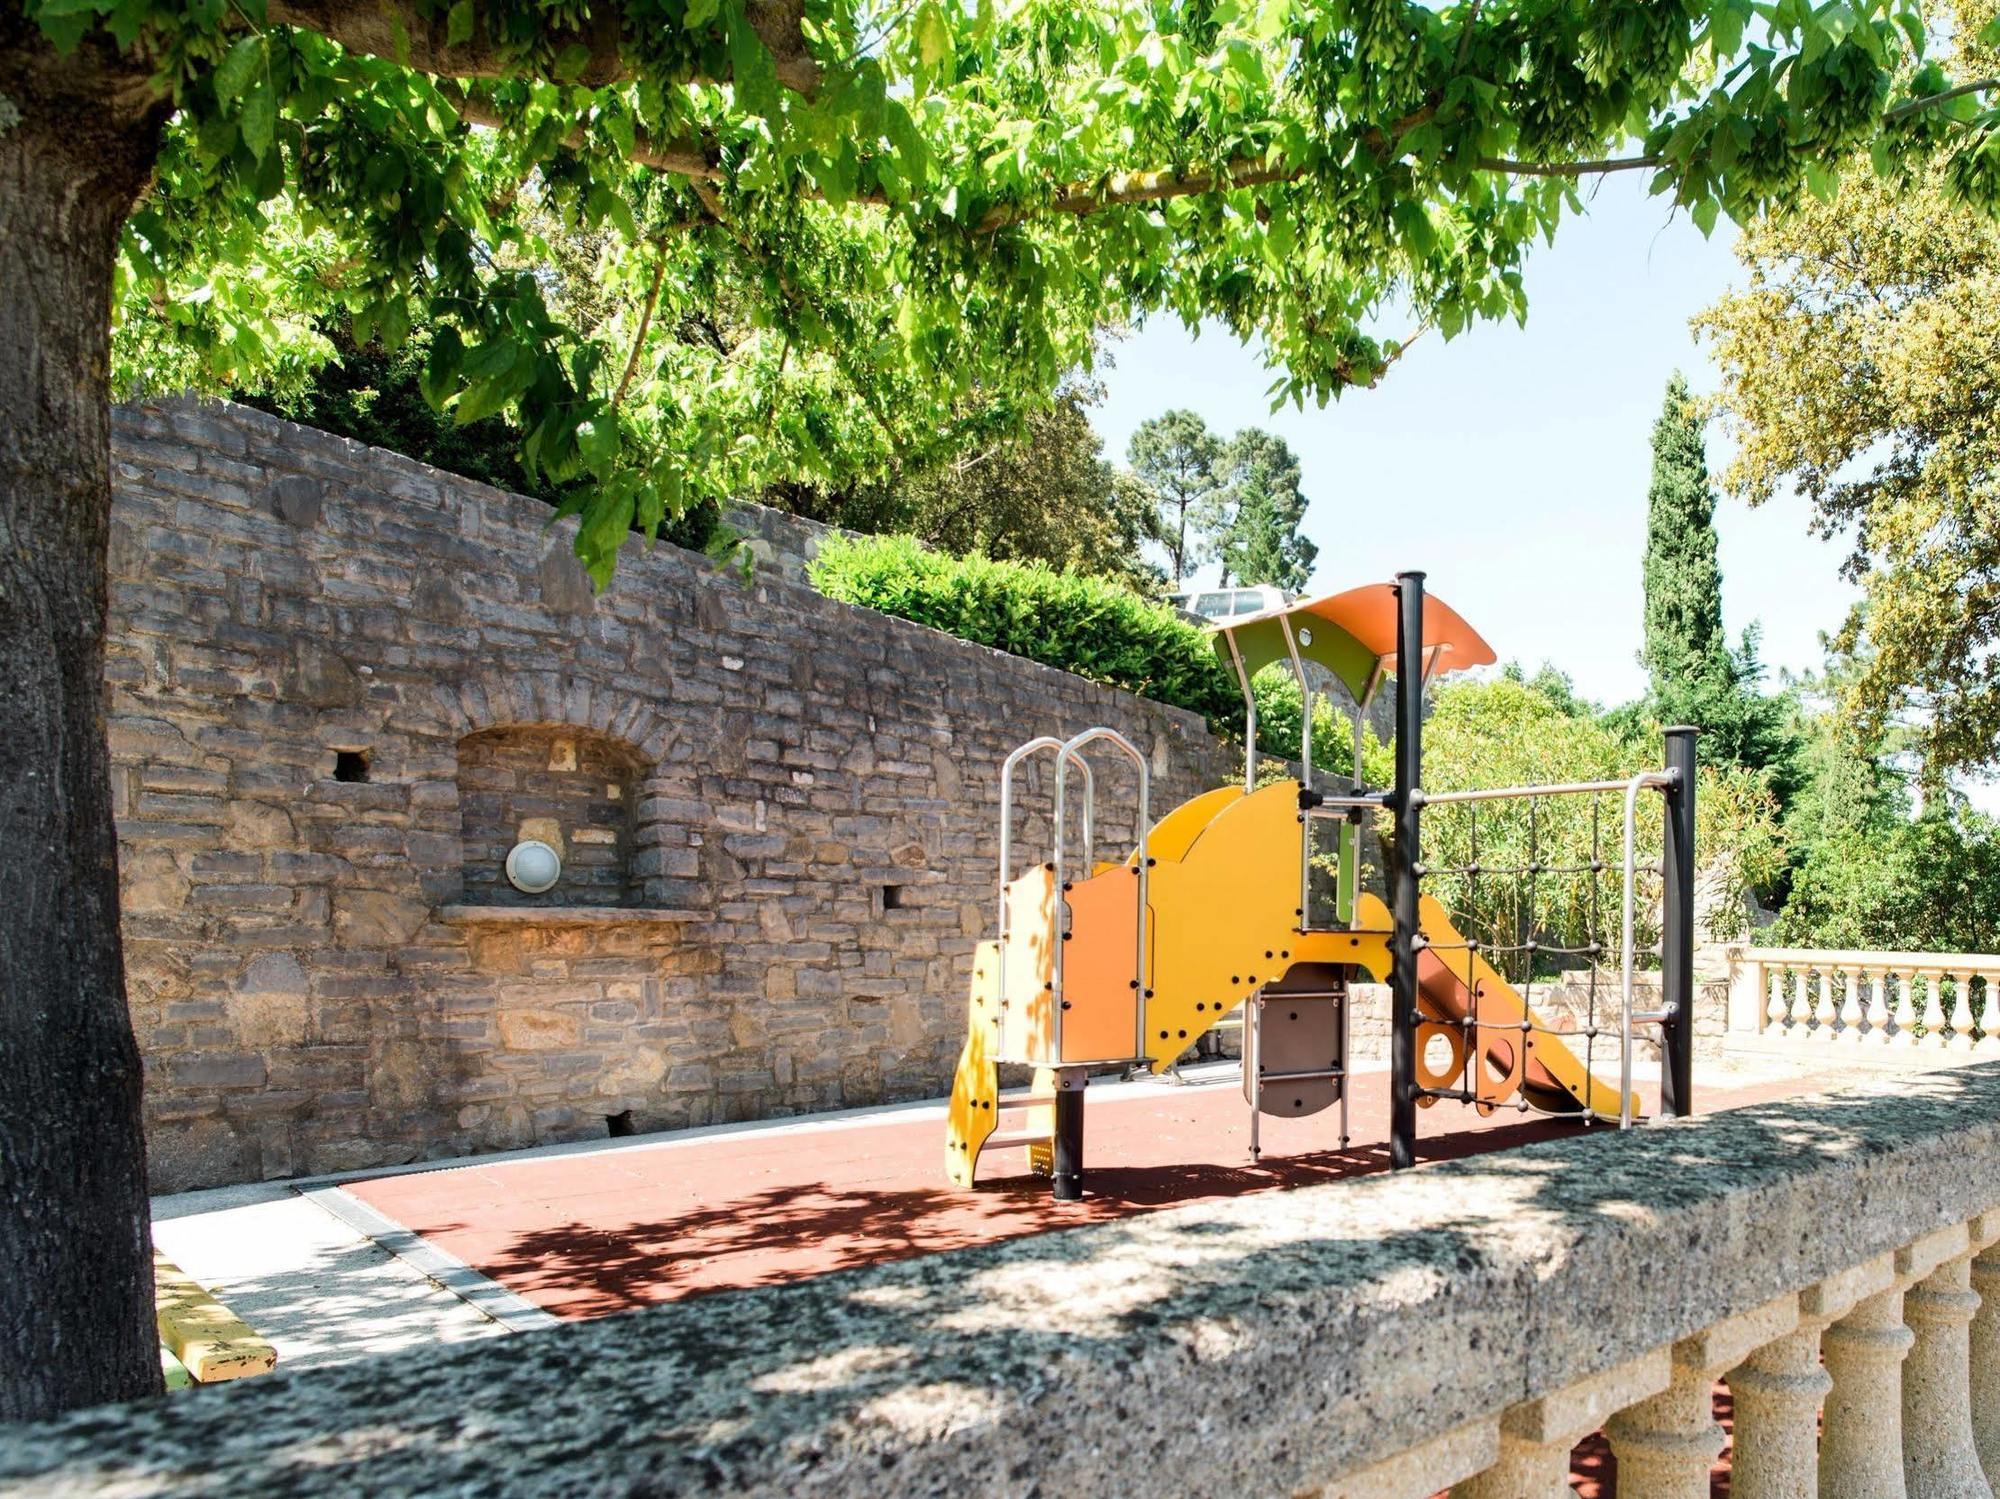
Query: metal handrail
point(1249, 714)
point(1072, 750)
point(1032, 747)
point(1503, 793)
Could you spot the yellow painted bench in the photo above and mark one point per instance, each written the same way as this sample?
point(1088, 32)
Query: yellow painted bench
point(199, 1333)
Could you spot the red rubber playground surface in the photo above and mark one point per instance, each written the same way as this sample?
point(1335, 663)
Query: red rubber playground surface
point(585, 1234)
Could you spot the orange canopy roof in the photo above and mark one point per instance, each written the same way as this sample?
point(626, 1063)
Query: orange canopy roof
point(1356, 635)
point(1369, 615)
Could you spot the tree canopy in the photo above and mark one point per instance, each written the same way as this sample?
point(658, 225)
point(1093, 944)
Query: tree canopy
point(900, 210)
point(1859, 369)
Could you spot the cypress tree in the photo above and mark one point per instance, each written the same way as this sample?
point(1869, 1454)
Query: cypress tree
point(1685, 653)
point(1696, 677)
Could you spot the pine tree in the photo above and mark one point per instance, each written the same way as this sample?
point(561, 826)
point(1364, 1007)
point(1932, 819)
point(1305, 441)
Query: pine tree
point(1258, 538)
point(1176, 456)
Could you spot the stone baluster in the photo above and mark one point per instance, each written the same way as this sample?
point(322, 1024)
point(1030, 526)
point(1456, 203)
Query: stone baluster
point(1861, 1448)
point(1961, 1010)
point(1777, 1392)
point(1989, 1031)
point(1984, 1358)
point(1940, 1460)
point(1667, 1443)
point(1825, 1006)
point(1771, 984)
point(1896, 1020)
point(1536, 1436)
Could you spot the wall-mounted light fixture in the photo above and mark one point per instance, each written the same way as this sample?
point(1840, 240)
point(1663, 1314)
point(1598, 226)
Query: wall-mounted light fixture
point(533, 867)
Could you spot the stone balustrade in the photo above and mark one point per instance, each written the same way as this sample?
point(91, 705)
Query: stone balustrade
point(1890, 1009)
point(1457, 1327)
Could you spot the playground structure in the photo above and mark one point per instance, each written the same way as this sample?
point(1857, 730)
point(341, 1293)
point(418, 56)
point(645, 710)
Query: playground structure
point(1112, 965)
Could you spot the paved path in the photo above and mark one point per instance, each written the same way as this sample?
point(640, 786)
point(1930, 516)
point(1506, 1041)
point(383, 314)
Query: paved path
point(320, 1291)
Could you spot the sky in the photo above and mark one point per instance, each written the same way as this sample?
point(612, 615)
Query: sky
point(1511, 464)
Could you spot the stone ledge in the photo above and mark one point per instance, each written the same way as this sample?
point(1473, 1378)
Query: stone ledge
point(595, 916)
point(1260, 1345)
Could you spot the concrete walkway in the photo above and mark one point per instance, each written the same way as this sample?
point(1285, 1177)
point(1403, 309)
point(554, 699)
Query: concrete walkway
point(322, 1292)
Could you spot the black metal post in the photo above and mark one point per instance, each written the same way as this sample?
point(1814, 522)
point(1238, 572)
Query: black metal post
point(1677, 928)
point(1403, 942)
point(1068, 1172)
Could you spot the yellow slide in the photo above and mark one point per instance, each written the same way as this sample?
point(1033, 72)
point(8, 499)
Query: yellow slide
point(1519, 1052)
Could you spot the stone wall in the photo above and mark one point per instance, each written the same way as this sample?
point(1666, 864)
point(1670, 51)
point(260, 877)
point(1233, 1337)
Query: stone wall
point(333, 676)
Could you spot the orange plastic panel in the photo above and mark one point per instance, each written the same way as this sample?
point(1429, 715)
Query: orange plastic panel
point(1100, 962)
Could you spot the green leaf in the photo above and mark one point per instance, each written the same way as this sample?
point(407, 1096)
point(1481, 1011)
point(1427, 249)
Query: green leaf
point(244, 63)
point(597, 440)
point(933, 34)
point(258, 119)
point(1704, 214)
point(458, 23)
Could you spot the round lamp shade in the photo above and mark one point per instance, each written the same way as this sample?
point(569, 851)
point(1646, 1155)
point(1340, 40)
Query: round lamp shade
point(532, 866)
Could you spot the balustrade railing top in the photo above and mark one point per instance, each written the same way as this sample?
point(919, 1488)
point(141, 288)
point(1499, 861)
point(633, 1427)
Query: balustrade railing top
point(1882, 1007)
point(1462, 1324)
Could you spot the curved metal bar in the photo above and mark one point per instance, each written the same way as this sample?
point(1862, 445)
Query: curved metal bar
point(1305, 771)
point(1072, 750)
point(1305, 705)
point(1633, 787)
point(1249, 715)
point(1033, 746)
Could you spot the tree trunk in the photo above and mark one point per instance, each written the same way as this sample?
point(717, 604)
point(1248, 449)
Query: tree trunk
point(77, 141)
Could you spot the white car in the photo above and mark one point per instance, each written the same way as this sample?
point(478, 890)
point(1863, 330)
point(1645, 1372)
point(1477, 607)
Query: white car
point(1226, 603)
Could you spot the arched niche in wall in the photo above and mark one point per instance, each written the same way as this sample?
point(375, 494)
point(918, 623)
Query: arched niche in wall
point(574, 789)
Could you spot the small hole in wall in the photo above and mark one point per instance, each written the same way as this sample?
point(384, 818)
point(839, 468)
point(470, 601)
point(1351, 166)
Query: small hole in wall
point(619, 1125)
point(350, 765)
point(892, 897)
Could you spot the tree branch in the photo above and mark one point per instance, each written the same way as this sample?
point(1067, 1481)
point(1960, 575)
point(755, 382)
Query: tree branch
point(645, 320)
point(1567, 168)
point(1916, 106)
point(397, 31)
point(684, 158)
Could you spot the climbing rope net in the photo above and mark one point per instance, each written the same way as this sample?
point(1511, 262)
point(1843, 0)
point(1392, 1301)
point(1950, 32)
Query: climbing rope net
point(1534, 880)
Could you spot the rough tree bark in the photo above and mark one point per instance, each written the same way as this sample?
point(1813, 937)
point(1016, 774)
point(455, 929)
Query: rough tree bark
point(77, 143)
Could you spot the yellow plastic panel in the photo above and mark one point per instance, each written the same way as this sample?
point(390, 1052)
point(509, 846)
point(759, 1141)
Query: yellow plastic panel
point(1172, 834)
point(1027, 1031)
point(975, 1086)
point(1225, 920)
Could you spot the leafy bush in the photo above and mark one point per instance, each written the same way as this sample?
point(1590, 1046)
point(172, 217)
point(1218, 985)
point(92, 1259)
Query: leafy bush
point(1067, 620)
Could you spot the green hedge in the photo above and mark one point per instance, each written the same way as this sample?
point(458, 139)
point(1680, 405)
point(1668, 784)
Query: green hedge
point(1077, 623)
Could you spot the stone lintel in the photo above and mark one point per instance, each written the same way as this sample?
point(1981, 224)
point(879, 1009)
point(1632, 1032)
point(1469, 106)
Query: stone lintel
point(1426, 1469)
point(1730, 1341)
point(540, 916)
point(1915, 1261)
point(1573, 1412)
point(1833, 1298)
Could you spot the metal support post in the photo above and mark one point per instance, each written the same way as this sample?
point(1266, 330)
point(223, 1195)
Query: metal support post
point(1677, 928)
point(1403, 943)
